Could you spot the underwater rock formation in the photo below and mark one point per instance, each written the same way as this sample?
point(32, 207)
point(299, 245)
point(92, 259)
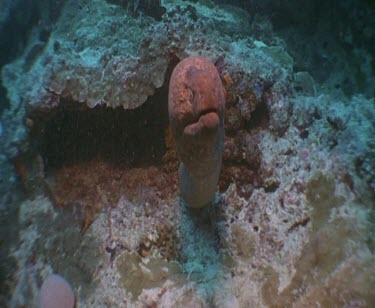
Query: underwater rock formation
point(196, 113)
point(148, 7)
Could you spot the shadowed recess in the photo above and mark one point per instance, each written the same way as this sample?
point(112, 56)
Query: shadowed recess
point(73, 134)
point(259, 118)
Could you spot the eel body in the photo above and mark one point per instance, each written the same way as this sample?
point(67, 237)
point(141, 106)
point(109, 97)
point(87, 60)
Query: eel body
point(196, 113)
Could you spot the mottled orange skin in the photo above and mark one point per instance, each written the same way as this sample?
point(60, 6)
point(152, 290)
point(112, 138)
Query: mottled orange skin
point(196, 113)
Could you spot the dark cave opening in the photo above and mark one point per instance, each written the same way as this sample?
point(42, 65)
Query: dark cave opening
point(259, 117)
point(73, 134)
point(4, 102)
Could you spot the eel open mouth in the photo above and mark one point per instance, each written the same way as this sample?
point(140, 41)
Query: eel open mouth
point(208, 121)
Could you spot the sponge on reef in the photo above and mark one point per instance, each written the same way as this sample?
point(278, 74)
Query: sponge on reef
point(56, 292)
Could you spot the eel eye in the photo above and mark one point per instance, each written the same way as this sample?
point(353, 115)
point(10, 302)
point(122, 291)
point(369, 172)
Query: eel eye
point(190, 95)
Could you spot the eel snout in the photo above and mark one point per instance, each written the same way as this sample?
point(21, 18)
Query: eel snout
point(208, 121)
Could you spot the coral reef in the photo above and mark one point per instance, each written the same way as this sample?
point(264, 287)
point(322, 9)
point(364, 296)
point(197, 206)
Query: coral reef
point(89, 168)
point(151, 8)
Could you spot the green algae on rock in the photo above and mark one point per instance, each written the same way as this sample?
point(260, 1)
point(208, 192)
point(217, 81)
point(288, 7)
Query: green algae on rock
point(137, 275)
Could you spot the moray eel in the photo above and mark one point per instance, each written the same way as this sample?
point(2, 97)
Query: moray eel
point(196, 113)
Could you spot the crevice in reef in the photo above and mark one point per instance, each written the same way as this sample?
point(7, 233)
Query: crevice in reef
point(4, 102)
point(260, 117)
point(130, 137)
point(74, 133)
